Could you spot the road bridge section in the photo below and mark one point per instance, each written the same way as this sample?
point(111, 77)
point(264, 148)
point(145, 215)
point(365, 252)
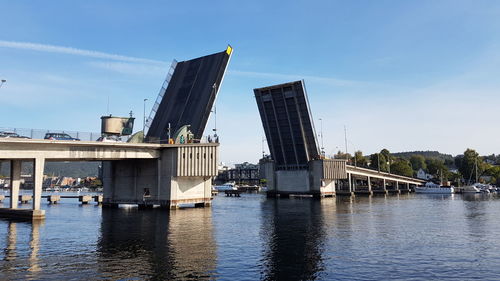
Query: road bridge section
point(167, 175)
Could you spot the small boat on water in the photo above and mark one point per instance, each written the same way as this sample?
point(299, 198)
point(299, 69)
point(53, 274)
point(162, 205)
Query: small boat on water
point(226, 186)
point(474, 188)
point(432, 188)
point(485, 188)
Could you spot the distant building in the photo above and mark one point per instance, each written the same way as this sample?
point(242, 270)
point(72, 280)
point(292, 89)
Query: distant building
point(485, 178)
point(244, 173)
point(421, 174)
point(489, 161)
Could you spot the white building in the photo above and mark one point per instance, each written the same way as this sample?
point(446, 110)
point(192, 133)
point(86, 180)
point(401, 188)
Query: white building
point(421, 174)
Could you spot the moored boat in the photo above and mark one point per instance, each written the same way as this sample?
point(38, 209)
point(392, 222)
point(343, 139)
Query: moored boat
point(432, 188)
point(226, 186)
point(471, 189)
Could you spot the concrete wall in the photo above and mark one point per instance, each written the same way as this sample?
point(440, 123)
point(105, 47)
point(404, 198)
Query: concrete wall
point(315, 175)
point(194, 161)
point(190, 189)
point(308, 181)
point(319, 183)
point(292, 181)
point(179, 176)
point(267, 172)
point(328, 187)
point(131, 181)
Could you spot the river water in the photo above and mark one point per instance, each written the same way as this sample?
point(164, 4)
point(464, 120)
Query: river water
point(395, 237)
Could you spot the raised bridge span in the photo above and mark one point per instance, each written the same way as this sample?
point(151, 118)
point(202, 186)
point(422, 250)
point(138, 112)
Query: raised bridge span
point(296, 165)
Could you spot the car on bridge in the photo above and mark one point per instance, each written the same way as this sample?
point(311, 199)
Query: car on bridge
point(59, 136)
point(12, 135)
point(109, 139)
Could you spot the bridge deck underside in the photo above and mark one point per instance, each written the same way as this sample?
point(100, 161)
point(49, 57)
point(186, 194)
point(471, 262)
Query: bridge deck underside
point(364, 173)
point(287, 122)
point(189, 97)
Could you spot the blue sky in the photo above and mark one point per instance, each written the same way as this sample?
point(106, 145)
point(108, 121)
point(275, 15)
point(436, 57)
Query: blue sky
point(401, 75)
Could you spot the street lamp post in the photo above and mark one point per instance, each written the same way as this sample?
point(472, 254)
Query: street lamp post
point(144, 122)
point(378, 162)
point(263, 152)
point(214, 89)
point(321, 135)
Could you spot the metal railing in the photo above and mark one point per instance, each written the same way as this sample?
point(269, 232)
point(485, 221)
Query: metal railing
point(84, 136)
point(40, 133)
point(162, 92)
point(204, 139)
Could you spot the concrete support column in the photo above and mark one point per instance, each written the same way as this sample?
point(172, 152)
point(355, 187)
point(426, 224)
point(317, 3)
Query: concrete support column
point(38, 167)
point(408, 186)
point(385, 185)
point(15, 182)
point(369, 185)
point(397, 185)
point(349, 177)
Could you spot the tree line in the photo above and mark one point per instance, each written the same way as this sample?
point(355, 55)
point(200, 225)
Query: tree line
point(461, 169)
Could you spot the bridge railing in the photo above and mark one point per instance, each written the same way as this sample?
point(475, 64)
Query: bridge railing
point(83, 136)
point(203, 139)
point(40, 133)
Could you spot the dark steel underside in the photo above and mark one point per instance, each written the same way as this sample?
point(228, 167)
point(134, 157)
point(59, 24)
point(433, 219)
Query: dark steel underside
point(287, 121)
point(190, 96)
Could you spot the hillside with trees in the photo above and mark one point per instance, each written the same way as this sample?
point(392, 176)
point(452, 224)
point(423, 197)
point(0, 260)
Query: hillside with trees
point(66, 169)
point(460, 169)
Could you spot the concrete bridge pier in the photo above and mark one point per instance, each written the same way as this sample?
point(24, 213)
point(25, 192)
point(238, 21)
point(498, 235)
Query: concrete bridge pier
point(15, 175)
point(380, 187)
point(181, 175)
point(351, 188)
point(352, 181)
point(406, 188)
point(393, 187)
point(317, 179)
point(38, 167)
point(15, 182)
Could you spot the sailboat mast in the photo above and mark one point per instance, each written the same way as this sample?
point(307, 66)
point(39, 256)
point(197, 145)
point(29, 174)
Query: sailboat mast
point(477, 178)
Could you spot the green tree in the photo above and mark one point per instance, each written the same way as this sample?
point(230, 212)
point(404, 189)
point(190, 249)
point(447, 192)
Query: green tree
point(418, 162)
point(401, 167)
point(377, 158)
point(359, 159)
point(455, 178)
point(386, 154)
point(493, 172)
point(437, 168)
point(466, 165)
point(342, 155)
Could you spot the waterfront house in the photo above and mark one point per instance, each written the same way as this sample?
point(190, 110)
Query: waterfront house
point(421, 174)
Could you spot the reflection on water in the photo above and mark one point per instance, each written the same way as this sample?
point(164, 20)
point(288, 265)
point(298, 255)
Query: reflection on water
point(156, 243)
point(10, 249)
point(13, 261)
point(391, 237)
point(294, 231)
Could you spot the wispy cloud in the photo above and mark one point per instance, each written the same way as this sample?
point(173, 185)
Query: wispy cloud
point(130, 68)
point(75, 51)
point(321, 79)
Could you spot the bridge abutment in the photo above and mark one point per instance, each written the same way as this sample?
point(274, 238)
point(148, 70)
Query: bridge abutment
point(317, 180)
point(182, 175)
point(167, 175)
